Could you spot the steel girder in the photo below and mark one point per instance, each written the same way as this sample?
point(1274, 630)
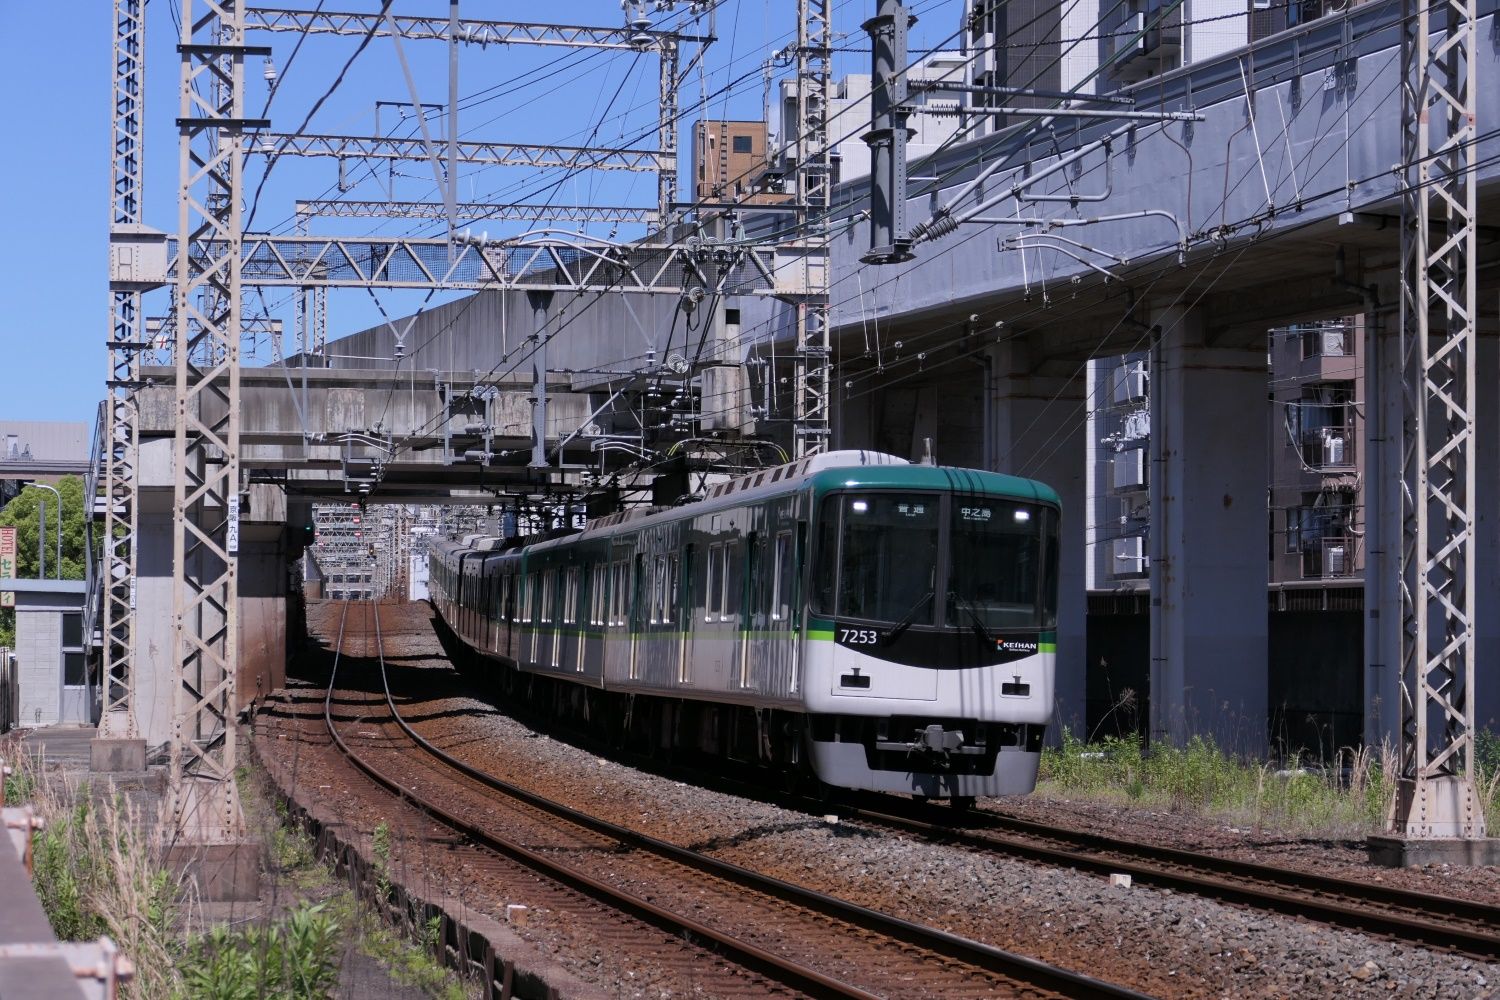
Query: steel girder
point(536, 264)
point(341, 209)
point(494, 154)
point(470, 30)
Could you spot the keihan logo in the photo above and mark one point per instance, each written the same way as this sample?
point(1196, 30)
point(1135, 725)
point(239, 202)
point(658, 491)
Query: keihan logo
point(1016, 645)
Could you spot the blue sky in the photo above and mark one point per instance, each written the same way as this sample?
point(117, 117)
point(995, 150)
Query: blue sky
point(54, 180)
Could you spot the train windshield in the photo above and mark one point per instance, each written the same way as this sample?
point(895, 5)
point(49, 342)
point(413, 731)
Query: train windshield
point(887, 564)
point(1004, 555)
point(880, 559)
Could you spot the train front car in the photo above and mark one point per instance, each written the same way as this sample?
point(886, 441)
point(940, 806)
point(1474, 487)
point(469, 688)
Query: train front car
point(932, 610)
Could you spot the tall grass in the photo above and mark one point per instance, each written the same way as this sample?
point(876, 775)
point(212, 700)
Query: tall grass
point(1351, 796)
point(97, 872)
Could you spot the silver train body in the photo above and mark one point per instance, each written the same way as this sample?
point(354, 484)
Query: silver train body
point(881, 625)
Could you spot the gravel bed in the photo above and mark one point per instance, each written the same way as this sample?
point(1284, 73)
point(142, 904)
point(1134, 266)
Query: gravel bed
point(1343, 858)
point(596, 953)
point(1157, 941)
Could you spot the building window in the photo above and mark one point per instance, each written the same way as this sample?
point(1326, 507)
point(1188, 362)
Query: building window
point(1322, 530)
point(72, 631)
point(743, 144)
point(74, 673)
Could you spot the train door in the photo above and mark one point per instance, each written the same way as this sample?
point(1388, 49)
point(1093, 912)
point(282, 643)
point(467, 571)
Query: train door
point(617, 643)
point(784, 645)
point(686, 615)
point(639, 598)
point(757, 621)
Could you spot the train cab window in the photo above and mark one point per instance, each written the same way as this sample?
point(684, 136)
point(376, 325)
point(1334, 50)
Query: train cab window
point(998, 582)
point(888, 560)
point(781, 578)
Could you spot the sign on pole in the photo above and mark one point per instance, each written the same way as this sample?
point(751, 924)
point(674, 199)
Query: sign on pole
point(7, 565)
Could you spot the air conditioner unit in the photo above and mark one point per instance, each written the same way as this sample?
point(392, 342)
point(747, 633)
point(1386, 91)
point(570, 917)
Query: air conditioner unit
point(1130, 382)
point(1337, 561)
point(1333, 449)
point(1130, 555)
point(1129, 470)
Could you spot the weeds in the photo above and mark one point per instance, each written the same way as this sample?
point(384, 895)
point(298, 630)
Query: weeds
point(1349, 797)
point(380, 846)
point(295, 959)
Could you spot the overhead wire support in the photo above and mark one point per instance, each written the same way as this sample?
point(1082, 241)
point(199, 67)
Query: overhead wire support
point(121, 411)
point(337, 208)
point(202, 803)
point(1436, 795)
point(666, 165)
point(495, 154)
point(813, 173)
point(469, 30)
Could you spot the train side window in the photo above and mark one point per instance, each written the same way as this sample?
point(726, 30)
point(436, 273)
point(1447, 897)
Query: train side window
point(658, 588)
point(713, 586)
point(825, 558)
point(733, 583)
point(616, 592)
point(596, 591)
point(570, 598)
point(669, 590)
point(781, 583)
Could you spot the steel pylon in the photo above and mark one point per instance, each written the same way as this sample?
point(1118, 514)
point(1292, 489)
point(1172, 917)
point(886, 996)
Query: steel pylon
point(814, 179)
point(1436, 795)
point(121, 438)
point(202, 801)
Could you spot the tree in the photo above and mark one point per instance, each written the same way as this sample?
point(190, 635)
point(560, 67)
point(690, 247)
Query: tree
point(22, 514)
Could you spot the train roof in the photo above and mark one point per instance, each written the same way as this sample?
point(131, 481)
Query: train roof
point(823, 472)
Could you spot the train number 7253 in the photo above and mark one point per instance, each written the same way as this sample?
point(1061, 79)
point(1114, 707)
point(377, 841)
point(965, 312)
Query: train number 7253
point(858, 636)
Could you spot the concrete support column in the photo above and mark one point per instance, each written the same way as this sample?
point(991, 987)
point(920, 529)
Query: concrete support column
point(1208, 537)
point(1036, 429)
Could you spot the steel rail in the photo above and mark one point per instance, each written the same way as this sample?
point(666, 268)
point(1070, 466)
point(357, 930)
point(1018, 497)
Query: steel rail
point(1437, 921)
point(1033, 972)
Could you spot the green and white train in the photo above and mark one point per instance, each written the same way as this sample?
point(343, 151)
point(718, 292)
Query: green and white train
point(849, 616)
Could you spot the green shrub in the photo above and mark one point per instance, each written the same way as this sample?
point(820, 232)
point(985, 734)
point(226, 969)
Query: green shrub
point(296, 959)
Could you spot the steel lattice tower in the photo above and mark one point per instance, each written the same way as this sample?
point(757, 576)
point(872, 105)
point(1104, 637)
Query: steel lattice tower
point(1436, 794)
point(814, 179)
point(121, 438)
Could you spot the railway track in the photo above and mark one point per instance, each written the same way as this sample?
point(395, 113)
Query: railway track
point(784, 935)
point(1457, 925)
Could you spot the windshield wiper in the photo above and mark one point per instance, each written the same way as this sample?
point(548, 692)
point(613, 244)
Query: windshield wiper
point(906, 620)
point(968, 606)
